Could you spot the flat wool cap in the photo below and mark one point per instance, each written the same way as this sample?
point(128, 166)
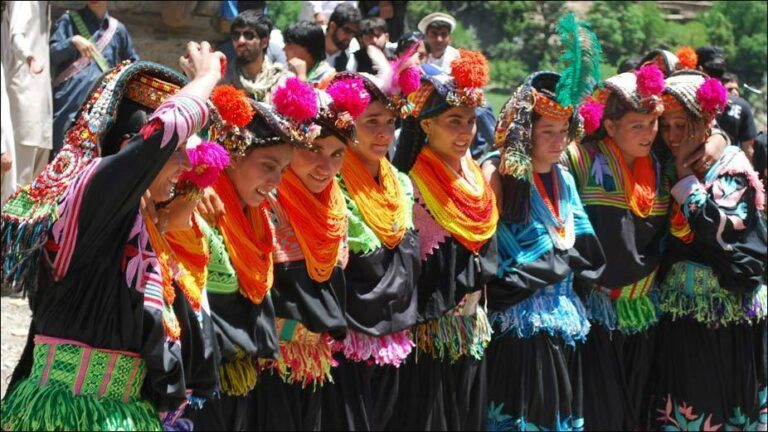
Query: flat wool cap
point(436, 17)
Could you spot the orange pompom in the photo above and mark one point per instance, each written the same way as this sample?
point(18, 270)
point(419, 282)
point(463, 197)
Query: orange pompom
point(232, 105)
point(686, 58)
point(470, 69)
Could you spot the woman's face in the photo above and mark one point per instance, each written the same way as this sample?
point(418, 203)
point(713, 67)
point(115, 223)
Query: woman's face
point(675, 127)
point(258, 173)
point(375, 132)
point(163, 186)
point(317, 167)
point(451, 133)
point(634, 133)
point(550, 136)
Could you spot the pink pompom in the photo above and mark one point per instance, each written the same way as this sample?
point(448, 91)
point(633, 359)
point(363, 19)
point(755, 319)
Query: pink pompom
point(712, 96)
point(592, 113)
point(409, 80)
point(296, 100)
point(349, 95)
point(208, 159)
point(650, 80)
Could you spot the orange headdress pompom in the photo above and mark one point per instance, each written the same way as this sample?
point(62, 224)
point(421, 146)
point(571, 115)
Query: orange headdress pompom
point(686, 58)
point(470, 69)
point(232, 105)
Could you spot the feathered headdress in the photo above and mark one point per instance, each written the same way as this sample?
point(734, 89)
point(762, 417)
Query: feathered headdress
point(580, 61)
point(394, 81)
point(580, 66)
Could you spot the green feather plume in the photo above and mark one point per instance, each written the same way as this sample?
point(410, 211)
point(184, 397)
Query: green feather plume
point(580, 61)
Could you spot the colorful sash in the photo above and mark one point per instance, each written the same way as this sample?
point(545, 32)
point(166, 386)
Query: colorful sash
point(82, 62)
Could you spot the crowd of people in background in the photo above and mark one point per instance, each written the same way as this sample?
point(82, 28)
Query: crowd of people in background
point(328, 227)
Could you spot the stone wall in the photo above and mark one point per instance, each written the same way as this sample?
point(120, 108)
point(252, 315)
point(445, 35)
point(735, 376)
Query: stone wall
point(160, 29)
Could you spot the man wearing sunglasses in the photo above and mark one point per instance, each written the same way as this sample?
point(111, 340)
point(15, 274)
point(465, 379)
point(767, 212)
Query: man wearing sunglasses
point(341, 31)
point(252, 69)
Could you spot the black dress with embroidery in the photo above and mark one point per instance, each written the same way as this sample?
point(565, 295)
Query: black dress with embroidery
point(102, 284)
point(714, 298)
point(310, 314)
point(443, 384)
point(381, 307)
point(618, 355)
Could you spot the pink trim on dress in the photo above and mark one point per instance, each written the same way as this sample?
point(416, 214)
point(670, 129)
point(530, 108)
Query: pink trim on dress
point(431, 234)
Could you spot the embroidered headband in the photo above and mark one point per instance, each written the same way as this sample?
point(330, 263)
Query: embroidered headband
point(701, 96)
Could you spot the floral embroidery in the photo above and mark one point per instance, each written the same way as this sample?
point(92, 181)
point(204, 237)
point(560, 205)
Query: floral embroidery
point(498, 421)
point(681, 417)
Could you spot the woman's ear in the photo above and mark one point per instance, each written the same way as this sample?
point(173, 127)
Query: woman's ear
point(611, 127)
point(426, 125)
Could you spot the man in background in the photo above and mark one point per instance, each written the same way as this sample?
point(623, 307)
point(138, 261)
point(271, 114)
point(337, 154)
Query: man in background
point(252, 70)
point(438, 28)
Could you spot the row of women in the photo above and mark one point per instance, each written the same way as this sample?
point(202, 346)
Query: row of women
point(283, 274)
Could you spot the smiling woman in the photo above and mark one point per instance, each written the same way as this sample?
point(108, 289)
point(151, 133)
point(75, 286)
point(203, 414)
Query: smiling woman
point(455, 213)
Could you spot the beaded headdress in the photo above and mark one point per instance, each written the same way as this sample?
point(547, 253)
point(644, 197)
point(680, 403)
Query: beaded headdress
point(580, 65)
point(232, 113)
point(31, 211)
point(702, 97)
point(462, 87)
point(640, 89)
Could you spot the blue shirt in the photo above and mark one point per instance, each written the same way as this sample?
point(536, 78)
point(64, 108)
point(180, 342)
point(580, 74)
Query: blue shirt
point(70, 95)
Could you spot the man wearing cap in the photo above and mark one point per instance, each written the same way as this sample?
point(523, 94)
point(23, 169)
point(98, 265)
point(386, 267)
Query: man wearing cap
point(438, 27)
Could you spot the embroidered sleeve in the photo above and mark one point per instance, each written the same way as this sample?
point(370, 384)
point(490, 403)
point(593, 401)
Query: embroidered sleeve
point(109, 196)
point(183, 115)
point(725, 221)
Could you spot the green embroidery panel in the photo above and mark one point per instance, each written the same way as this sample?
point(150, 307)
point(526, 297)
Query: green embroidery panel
point(222, 278)
point(361, 238)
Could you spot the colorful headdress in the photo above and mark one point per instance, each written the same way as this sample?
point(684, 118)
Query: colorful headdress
point(234, 111)
point(463, 87)
point(640, 89)
point(297, 102)
point(665, 60)
point(701, 96)
point(687, 58)
point(393, 82)
point(31, 211)
point(208, 160)
point(580, 65)
point(340, 104)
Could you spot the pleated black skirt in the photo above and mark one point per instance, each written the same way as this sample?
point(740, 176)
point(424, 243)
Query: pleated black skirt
point(227, 413)
point(617, 371)
point(275, 405)
point(362, 396)
point(710, 376)
point(534, 384)
point(438, 395)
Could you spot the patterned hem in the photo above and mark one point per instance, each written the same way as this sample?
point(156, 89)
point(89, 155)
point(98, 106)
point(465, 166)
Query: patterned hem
point(498, 421)
point(681, 417)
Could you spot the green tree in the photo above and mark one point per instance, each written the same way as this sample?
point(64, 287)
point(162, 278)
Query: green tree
point(626, 28)
point(749, 27)
point(284, 13)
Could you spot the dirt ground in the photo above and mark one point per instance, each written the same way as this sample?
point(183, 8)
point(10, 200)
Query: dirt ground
point(15, 317)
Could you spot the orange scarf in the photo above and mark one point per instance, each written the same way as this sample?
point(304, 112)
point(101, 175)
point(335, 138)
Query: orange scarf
point(319, 222)
point(639, 184)
point(382, 204)
point(469, 215)
point(552, 203)
point(167, 264)
point(192, 253)
point(248, 236)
